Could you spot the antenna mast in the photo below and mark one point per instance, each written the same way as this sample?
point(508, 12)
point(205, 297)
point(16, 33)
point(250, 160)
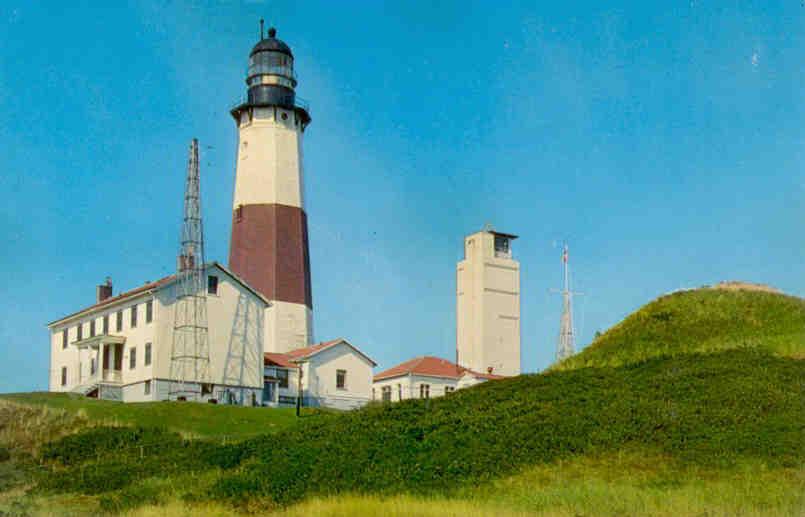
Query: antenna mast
point(566, 346)
point(190, 355)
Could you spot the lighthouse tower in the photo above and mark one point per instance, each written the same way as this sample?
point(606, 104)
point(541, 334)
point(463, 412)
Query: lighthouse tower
point(269, 243)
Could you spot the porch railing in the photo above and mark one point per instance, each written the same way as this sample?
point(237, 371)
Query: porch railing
point(112, 376)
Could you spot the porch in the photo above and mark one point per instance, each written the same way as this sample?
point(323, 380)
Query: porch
point(105, 376)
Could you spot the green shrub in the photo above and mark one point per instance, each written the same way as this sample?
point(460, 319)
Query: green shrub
point(129, 497)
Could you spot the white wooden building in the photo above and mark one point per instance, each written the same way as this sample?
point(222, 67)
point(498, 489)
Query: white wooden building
point(424, 377)
point(335, 374)
point(120, 347)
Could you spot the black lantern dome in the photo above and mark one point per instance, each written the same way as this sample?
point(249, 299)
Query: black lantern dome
point(271, 80)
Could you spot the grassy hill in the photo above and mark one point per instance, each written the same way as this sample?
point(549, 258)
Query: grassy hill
point(694, 405)
point(701, 320)
point(712, 411)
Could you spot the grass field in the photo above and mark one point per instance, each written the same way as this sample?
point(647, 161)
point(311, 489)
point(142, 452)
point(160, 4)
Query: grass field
point(691, 407)
point(199, 420)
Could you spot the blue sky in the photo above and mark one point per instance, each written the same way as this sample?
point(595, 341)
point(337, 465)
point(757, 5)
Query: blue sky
point(663, 140)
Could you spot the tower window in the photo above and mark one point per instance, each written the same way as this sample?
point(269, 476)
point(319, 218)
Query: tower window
point(502, 246)
point(212, 284)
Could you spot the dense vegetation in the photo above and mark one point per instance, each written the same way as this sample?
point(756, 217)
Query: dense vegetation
point(694, 403)
point(714, 409)
point(701, 320)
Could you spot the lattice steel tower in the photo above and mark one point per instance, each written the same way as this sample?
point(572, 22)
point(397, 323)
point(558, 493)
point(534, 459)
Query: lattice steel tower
point(190, 355)
point(566, 346)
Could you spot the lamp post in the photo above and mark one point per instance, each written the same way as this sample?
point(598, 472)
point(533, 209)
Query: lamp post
point(299, 391)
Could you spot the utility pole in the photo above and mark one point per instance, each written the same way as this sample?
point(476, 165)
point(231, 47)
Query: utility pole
point(566, 345)
point(190, 353)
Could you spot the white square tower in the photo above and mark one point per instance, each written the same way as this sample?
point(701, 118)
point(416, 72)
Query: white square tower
point(488, 305)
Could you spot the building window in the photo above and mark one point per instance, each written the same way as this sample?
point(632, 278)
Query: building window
point(132, 358)
point(502, 246)
point(64, 339)
point(282, 377)
point(399, 392)
point(147, 387)
point(78, 332)
point(449, 389)
point(92, 366)
point(424, 391)
point(133, 316)
point(106, 325)
point(385, 392)
point(149, 311)
point(239, 210)
point(373, 394)
point(64, 376)
point(92, 328)
point(147, 357)
point(119, 322)
point(212, 284)
point(341, 379)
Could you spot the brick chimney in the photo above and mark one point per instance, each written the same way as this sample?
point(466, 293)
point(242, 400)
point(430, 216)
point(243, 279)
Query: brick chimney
point(104, 291)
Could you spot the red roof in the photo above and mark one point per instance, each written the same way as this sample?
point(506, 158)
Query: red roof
point(155, 285)
point(276, 359)
point(122, 296)
point(425, 365)
point(291, 358)
point(301, 353)
point(432, 367)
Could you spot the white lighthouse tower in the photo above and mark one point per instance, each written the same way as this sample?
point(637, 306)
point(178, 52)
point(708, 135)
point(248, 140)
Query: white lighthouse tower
point(269, 242)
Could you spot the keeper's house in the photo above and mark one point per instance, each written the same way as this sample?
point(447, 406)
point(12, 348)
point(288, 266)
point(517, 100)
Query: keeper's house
point(120, 347)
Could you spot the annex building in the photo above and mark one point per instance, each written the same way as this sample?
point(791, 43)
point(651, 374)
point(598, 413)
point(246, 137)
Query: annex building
point(487, 326)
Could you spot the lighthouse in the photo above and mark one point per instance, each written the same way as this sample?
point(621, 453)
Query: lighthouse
point(269, 241)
